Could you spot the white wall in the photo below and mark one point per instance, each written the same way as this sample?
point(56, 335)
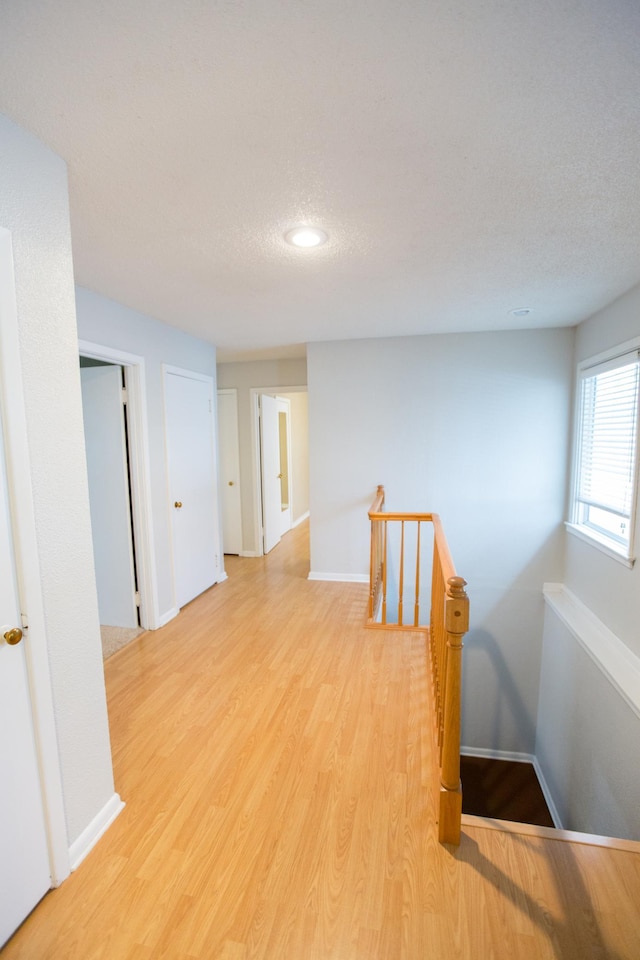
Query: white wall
point(588, 735)
point(243, 377)
point(587, 740)
point(473, 427)
point(34, 207)
point(110, 324)
point(299, 453)
point(610, 589)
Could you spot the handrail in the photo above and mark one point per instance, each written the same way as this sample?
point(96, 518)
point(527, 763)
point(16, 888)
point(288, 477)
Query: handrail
point(448, 622)
point(448, 567)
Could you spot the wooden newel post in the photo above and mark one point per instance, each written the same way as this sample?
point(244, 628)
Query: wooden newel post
point(456, 625)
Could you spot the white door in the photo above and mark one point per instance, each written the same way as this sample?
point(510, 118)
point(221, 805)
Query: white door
point(24, 861)
point(270, 457)
point(105, 441)
point(191, 471)
point(229, 471)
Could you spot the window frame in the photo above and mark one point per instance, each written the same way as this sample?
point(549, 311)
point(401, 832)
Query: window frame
point(618, 550)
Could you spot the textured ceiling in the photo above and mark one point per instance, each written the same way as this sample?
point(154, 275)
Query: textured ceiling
point(465, 158)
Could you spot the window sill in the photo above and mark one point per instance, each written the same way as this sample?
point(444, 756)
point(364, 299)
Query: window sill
point(600, 543)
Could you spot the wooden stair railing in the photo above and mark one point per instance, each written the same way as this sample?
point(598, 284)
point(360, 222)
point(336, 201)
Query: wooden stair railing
point(448, 623)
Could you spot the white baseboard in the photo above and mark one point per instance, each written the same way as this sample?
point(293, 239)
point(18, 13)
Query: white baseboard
point(519, 758)
point(305, 516)
point(167, 616)
point(248, 553)
point(544, 786)
point(91, 834)
point(339, 577)
point(223, 576)
point(497, 754)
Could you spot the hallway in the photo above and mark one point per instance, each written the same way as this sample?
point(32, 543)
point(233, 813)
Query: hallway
point(277, 767)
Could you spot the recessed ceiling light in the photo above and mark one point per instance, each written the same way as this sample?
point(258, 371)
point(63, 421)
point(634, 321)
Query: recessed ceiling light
point(306, 237)
point(521, 312)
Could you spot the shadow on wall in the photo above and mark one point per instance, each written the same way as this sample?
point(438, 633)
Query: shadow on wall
point(503, 649)
point(508, 706)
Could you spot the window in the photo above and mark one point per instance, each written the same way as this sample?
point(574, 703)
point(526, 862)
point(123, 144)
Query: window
point(604, 496)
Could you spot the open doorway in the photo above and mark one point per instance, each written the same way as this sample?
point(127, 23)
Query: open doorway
point(281, 487)
point(275, 448)
point(286, 480)
point(106, 428)
point(126, 376)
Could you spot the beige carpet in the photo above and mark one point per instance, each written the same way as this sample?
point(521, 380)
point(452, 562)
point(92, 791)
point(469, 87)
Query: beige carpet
point(113, 638)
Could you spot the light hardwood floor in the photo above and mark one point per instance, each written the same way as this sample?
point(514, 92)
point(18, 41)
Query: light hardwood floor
point(277, 768)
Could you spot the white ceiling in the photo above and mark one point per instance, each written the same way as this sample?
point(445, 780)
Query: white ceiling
point(466, 158)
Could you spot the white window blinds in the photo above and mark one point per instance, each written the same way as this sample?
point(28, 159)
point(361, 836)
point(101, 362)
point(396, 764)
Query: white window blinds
point(606, 468)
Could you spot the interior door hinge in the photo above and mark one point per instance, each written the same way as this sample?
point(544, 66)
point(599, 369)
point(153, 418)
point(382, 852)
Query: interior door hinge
point(136, 598)
point(124, 395)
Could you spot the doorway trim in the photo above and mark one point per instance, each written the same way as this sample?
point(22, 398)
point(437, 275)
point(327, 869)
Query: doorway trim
point(18, 468)
point(287, 403)
point(134, 372)
point(256, 472)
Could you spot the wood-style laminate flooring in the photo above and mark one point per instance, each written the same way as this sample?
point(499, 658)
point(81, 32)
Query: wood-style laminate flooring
point(277, 765)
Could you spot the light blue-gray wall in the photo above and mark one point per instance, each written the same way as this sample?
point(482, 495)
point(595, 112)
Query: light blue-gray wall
point(474, 427)
point(110, 324)
point(588, 737)
point(588, 740)
point(34, 207)
point(611, 590)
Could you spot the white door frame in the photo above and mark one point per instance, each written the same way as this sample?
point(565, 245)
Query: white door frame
point(140, 474)
point(255, 455)
point(287, 402)
point(270, 471)
point(108, 467)
point(18, 468)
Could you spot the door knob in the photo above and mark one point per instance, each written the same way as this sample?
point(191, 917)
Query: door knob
point(230, 483)
point(280, 475)
point(13, 635)
point(178, 504)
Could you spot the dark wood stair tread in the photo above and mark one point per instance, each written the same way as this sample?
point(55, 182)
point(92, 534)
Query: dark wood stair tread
point(503, 790)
